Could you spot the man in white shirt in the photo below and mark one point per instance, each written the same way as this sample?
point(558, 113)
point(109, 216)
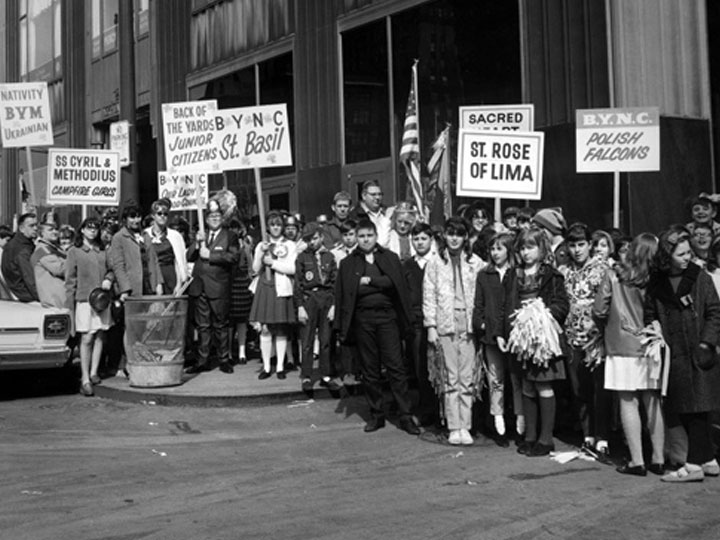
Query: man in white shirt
point(371, 208)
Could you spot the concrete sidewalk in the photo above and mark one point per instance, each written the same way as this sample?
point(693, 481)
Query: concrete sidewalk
point(217, 389)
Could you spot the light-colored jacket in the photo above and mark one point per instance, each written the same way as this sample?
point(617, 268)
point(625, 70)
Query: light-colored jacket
point(439, 292)
point(49, 266)
point(285, 252)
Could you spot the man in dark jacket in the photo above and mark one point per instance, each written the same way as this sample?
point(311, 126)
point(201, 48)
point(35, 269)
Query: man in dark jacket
point(372, 308)
point(214, 254)
point(16, 268)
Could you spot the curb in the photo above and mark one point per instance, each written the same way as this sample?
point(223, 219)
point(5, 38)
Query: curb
point(159, 398)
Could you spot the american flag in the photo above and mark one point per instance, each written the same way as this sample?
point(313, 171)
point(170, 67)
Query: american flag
point(410, 149)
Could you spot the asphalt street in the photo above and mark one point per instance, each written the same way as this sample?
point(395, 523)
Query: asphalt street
point(92, 468)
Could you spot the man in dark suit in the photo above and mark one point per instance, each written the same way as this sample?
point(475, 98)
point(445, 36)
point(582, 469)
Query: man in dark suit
point(372, 309)
point(214, 254)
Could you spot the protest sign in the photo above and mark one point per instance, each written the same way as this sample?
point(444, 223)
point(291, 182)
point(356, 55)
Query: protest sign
point(25, 115)
point(191, 143)
point(182, 189)
point(507, 165)
point(77, 176)
point(498, 117)
point(120, 140)
point(254, 137)
point(610, 140)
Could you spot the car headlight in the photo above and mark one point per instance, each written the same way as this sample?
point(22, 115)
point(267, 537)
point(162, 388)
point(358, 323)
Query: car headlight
point(56, 326)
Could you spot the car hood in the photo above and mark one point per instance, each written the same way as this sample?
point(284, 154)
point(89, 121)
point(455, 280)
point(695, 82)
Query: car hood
point(21, 313)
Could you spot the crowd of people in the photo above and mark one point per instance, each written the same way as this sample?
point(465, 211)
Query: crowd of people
point(375, 294)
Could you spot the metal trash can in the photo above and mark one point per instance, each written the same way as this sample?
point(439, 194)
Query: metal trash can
point(155, 339)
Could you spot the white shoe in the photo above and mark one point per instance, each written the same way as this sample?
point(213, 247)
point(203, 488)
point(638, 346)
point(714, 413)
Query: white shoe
point(465, 437)
point(500, 424)
point(455, 437)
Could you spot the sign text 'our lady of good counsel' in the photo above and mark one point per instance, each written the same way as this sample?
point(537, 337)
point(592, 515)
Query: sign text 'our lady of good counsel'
point(618, 140)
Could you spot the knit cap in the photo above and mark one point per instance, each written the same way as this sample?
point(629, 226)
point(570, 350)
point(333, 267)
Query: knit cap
point(551, 219)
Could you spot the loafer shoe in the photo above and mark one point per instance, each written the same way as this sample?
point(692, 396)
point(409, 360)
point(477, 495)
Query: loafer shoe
point(281, 375)
point(684, 475)
point(264, 375)
point(539, 449)
point(635, 470)
point(656, 468)
point(306, 384)
point(525, 446)
point(408, 425)
point(225, 367)
point(86, 389)
point(374, 425)
point(711, 468)
point(603, 456)
point(502, 441)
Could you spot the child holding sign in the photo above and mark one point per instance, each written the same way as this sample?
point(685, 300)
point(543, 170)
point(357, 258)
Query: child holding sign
point(273, 309)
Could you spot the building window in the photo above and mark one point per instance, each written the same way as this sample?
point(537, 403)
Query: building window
point(40, 40)
point(104, 27)
point(365, 90)
point(469, 54)
point(142, 18)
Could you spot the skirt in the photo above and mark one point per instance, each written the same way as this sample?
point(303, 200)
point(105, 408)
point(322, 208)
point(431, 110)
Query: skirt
point(628, 373)
point(554, 372)
point(268, 308)
point(241, 299)
point(88, 321)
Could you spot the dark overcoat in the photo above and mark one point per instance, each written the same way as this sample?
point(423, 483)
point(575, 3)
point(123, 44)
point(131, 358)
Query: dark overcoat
point(688, 317)
point(347, 284)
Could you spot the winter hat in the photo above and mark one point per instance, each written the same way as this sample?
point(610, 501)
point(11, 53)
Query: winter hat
point(551, 219)
point(310, 229)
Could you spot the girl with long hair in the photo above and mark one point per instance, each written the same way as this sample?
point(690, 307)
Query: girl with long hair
point(535, 277)
point(448, 297)
point(489, 326)
point(618, 312)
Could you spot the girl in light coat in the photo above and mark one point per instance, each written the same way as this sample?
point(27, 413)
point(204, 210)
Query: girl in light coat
point(448, 299)
point(273, 309)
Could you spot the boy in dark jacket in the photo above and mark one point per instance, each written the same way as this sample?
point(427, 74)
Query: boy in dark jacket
point(414, 271)
point(315, 273)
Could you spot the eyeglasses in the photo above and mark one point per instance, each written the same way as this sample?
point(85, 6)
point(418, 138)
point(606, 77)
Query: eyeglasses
point(163, 214)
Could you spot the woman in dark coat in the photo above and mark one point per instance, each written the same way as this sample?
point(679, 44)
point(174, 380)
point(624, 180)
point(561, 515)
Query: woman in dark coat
point(681, 296)
point(240, 296)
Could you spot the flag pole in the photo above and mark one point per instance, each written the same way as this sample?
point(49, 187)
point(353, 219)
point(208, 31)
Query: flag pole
point(417, 111)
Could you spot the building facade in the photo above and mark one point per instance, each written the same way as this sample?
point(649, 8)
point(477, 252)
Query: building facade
point(343, 68)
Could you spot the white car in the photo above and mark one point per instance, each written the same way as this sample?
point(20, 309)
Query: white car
point(32, 336)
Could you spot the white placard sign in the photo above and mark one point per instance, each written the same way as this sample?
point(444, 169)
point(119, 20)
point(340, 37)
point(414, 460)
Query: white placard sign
point(254, 137)
point(182, 189)
point(120, 140)
point(76, 176)
point(191, 143)
point(618, 140)
point(506, 164)
point(25, 115)
point(498, 117)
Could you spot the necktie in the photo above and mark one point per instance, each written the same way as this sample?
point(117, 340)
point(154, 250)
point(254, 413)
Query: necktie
point(319, 267)
point(212, 237)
